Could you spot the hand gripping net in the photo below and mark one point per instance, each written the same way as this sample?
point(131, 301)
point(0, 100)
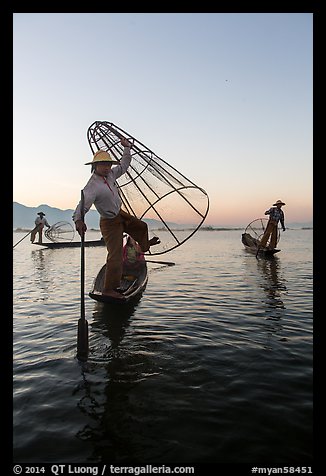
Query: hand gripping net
point(173, 207)
point(60, 231)
point(256, 229)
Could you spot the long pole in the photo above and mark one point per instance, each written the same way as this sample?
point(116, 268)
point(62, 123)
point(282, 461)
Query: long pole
point(168, 263)
point(26, 236)
point(82, 336)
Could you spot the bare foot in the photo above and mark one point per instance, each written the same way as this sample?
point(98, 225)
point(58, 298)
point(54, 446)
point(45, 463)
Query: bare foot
point(113, 294)
point(154, 241)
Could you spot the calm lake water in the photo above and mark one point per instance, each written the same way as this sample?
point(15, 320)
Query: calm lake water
point(212, 365)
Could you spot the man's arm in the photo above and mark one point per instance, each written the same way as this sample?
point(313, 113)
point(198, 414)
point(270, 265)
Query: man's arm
point(89, 197)
point(282, 220)
point(125, 159)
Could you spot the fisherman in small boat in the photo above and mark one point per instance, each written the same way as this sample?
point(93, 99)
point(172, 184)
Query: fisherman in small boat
point(102, 191)
point(40, 222)
point(276, 215)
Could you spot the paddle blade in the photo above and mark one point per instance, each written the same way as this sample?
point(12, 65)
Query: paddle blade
point(82, 340)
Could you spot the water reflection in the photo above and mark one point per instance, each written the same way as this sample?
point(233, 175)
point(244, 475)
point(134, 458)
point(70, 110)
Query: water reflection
point(109, 325)
point(266, 278)
point(273, 284)
point(105, 381)
point(43, 279)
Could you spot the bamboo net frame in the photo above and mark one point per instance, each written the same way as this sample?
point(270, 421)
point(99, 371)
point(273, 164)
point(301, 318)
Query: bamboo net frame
point(172, 205)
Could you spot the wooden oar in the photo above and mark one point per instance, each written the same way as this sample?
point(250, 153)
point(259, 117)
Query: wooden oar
point(82, 336)
point(26, 236)
point(168, 263)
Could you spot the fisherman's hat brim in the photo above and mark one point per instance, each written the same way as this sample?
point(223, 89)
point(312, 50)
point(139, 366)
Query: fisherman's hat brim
point(102, 156)
point(94, 162)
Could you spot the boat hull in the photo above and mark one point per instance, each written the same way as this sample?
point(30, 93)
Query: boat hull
point(261, 252)
point(70, 244)
point(131, 286)
point(252, 246)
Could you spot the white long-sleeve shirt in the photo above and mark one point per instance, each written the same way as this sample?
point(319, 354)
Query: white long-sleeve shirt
point(103, 191)
point(43, 220)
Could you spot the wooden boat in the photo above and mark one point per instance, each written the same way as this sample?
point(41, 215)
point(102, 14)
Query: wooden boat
point(131, 287)
point(252, 245)
point(70, 244)
point(252, 236)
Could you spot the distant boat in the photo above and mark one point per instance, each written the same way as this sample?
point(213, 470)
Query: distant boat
point(70, 244)
point(252, 236)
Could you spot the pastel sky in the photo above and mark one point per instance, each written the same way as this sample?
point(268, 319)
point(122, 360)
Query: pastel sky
point(225, 98)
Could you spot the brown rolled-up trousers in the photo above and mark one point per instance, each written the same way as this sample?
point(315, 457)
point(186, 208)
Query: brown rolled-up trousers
point(112, 230)
point(271, 229)
point(38, 229)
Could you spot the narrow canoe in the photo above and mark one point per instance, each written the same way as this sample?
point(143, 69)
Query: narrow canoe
point(70, 244)
point(251, 245)
point(131, 286)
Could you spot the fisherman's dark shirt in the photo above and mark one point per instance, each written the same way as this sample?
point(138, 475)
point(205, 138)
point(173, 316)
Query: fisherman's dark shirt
point(276, 214)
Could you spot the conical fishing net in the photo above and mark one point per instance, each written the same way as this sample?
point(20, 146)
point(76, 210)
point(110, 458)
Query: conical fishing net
point(60, 231)
point(172, 205)
point(257, 228)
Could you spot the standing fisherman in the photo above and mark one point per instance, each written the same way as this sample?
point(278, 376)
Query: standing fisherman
point(276, 215)
point(102, 191)
point(40, 222)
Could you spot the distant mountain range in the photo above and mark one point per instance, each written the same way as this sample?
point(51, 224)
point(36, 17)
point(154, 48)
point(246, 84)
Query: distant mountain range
point(24, 217)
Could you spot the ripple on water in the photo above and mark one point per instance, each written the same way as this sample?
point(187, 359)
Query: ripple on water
point(213, 364)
